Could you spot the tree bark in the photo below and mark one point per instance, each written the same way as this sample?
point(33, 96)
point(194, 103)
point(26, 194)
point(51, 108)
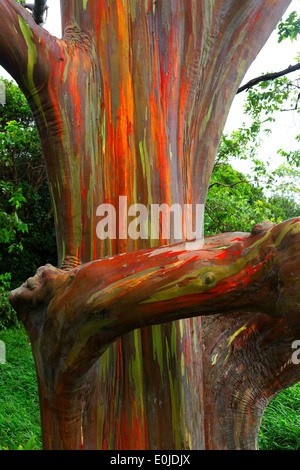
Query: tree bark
point(246, 362)
point(132, 102)
point(75, 315)
point(39, 9)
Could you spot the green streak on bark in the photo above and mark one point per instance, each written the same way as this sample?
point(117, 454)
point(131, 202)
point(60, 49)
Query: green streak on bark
point(54, 205)
point(146, 165)
point(173, 339)
point(63, 250)
point(158, 348)
point(82, 337)
point(32, 60)
point(103, 132)
point(196, 281)
point(237, 333)
point(120, 287)
point(66, 70)
point(174, 401)
point(142, 157)
point(137, 367)
point(58, 187)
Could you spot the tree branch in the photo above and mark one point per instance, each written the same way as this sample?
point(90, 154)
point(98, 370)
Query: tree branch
point(268, 76)
point(21, 46)
point(296, 104)
point(83, 310)
point(227, 185)
point(40, 7)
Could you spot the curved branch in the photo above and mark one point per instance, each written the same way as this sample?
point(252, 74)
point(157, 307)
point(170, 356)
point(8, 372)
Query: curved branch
point(82, 311)
point(22, 46)
point(268, 76)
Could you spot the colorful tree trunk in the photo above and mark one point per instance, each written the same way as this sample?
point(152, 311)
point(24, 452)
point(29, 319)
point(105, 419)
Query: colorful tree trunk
point(132, 102)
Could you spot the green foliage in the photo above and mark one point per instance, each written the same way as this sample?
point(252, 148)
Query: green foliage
point(284, 208)
point(236, 201)
point(270, 96)
point(27, 236)
point(237, 206)
point(290, 28)
point(28, 446)
point(7, 313)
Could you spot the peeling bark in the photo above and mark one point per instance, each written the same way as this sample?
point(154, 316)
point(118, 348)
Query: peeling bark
point(74, 316)
point(131, 101)
point(246, 362)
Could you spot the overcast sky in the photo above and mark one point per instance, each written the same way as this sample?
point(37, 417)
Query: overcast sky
point(273, 57)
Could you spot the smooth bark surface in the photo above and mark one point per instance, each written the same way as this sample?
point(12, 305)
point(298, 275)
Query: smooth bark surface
point(132, 102)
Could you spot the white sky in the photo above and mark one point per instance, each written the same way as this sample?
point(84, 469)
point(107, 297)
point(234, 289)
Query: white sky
point(273, 57)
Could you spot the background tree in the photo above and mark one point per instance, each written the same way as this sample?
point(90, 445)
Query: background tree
point(144, 120)
point(265, 191)
point(25, 205)
point(27, 236)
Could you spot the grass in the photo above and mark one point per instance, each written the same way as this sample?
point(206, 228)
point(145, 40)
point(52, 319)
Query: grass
point(280, 427)
point(19, 407)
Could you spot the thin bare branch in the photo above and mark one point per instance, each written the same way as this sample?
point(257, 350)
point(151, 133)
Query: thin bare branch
point(227, 185)
point(268, 76)
point(296, 105)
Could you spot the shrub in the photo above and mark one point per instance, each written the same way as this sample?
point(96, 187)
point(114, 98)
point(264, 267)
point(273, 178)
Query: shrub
point(8, 316)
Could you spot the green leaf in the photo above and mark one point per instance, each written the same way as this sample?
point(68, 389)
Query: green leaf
point(30, 443)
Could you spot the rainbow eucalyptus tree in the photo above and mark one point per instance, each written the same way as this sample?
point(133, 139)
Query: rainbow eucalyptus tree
point(140, 343)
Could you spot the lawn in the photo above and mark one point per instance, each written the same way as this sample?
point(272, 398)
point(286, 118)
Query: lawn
point(19, 407)
point(280, 427)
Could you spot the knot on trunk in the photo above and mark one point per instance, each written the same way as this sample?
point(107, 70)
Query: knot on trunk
point(75, 37)
point(262, 227)
point(70, 262)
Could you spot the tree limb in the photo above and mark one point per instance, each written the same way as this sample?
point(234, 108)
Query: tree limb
point(227, 185)
point(40, 7)
point(268, 76)
point(21, 51)
point(83, 310)
point(37, 9)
